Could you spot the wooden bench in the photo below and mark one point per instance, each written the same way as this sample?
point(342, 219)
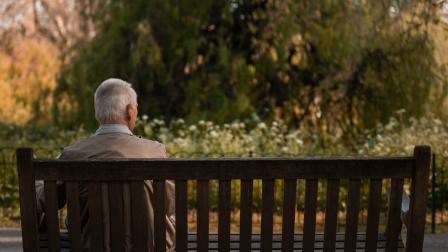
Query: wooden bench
point(375, 171)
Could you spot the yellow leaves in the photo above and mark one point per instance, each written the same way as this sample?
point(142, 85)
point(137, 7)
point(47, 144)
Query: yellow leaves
point(273, 54)
point(27, 77)
point(6, 90)
point(252, 28)
point(295, 59)
point(297, 39)
point(284, 77)
point(251, 69)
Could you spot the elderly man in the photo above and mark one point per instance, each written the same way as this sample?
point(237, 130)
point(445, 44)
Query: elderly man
point(116, 113)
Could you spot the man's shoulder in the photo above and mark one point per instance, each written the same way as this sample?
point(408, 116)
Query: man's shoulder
point(146, 142)
point(148, 148)
point(118, 145)
point(81, 142)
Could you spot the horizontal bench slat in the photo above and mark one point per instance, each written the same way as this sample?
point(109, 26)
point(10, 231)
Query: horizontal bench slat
point(224, 168)
point(255, 243)
point(213, 237)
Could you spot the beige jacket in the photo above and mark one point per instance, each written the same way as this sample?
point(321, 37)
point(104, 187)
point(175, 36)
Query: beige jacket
point(113, 146)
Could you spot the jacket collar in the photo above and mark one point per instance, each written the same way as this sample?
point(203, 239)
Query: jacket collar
point(113, 128)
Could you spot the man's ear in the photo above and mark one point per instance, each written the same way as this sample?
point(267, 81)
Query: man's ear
point(129, 111)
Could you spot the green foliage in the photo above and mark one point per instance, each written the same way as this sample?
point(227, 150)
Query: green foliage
point(47, 142)
point(343, 65)
point(251, 137)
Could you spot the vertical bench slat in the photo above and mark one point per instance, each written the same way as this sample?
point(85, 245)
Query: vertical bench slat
point(139, 213)
point(159, 216)
point(289, 204)
point(224, 216)
point(373, 216)
point(202, 214)
point(267, 214)
point(117, 229)
point(331, 214)
point(394, 222)
point(73, 214)
point(51, 214)
point(95, 216)
point(27, 192)
point(309, 225)
point(181, 216)
point(351, 228)
point(246, 214)
point(419, 198)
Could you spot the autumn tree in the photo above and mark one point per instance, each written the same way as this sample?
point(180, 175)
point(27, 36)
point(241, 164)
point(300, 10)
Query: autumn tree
point(36, 38)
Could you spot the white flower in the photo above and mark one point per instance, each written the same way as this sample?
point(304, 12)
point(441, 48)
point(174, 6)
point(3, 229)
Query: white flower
point(144, 117)
point(390, 126)
point(214, 134)
point(192, 128)
point(262, 125)
point(379, 137)
point(234, 125)
point(285, 149)
point(299, 142)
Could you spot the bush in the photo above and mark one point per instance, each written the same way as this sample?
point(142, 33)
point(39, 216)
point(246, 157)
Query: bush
point(251, 137)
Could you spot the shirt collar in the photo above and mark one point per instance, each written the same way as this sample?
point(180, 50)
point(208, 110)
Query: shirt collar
point(113, 128)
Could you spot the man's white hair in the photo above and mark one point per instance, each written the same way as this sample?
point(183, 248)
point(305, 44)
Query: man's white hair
point(111, 99)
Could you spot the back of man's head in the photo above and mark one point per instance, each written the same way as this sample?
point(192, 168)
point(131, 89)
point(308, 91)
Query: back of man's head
point(112, 97)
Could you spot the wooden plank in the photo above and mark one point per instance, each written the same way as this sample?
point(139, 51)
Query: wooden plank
point(51, 214)
point(373, 216)
point(309, 225)
point(139, 212)
point(419, 198)
point(351, 228)
point(181, 216)
point(159, 216)
point(73, 215)
point(298, 238)
point(289, 209)
point(267, 214)
point(225, 168)
point(246, 214)
point(27, 192)
point(394, 221)
point(276, 245)
point(331, 214)
point(117, 228)
point(203, 215)
point(213, 244)
point(224, 215)
point(94, 202)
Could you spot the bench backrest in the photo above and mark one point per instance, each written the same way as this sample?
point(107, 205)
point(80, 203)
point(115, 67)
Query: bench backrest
point(290, 170)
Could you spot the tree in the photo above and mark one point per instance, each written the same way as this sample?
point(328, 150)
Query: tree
point(342, 65)
point(36, 38)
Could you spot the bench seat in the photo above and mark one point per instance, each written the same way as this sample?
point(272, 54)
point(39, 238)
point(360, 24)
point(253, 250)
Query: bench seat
point(234, 242)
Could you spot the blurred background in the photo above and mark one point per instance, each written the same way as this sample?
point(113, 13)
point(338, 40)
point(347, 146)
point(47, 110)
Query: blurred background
point(230, 78)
